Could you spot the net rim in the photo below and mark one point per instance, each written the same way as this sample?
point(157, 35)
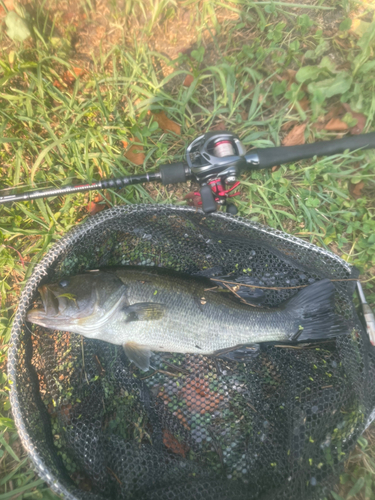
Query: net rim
point(55, 251)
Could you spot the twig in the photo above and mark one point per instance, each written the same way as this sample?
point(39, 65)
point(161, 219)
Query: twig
point(149, 375)
point(114, 475)
point(225, 282)
point(168, 373)
point(251, 406)
point(243, 301)
point(83, 361)
point(235, 293)
point(177, 368)
point(15, 249)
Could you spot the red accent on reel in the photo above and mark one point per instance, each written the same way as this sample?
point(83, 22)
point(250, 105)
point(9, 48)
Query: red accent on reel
point(218, 188)
point(194, 198)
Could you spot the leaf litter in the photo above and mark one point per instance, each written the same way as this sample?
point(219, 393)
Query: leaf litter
point(296, 136)
point(166, 124)
point(134, 153)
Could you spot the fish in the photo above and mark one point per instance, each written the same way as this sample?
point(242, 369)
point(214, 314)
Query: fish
point(148, 309)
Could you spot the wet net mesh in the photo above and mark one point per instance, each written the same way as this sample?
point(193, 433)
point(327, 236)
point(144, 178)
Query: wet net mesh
point(277, 424)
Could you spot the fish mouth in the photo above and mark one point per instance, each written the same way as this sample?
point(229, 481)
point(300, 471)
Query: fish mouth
point(53, 306)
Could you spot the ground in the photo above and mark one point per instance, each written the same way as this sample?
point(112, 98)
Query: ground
point(117, 87)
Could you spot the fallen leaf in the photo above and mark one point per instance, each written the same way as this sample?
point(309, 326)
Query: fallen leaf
point(96, 206)
point(173, 444)
point(93, 208)
point(68, 78)
point(219, 126)
point(296, 136)
point(135, 153)
point(244, 115)
point(100, 197)
point(166, 124)
point(188, 80)
point(290, 75)
point(333, 113)
point(356, 189)
point(288, 125)
point(304, 103)
point(336, 124)
point(360, 117)
point(78, 71)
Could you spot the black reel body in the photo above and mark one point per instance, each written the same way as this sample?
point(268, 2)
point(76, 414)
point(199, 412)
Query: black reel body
point(215, 154)
point(215, 159)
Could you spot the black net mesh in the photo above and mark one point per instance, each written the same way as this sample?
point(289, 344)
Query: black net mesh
point(278, 424)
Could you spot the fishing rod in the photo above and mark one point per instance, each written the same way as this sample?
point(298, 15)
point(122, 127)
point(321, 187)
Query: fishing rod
point(215, 160)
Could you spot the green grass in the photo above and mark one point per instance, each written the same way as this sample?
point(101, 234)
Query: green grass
point(55, 134)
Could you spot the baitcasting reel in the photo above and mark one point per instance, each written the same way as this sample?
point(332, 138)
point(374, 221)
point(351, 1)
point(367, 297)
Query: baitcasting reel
point(215, 160)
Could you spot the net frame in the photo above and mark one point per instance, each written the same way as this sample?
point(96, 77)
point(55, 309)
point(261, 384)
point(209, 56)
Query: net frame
point(33, 431)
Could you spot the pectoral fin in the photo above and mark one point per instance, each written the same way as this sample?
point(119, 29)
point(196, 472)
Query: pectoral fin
point(139, 354)
point(144, 311)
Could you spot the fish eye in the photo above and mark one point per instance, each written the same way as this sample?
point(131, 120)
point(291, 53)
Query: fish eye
point(64, 283)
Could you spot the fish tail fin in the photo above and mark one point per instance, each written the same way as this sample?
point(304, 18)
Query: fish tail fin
point(313, 307)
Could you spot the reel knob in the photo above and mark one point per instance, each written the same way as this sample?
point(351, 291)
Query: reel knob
point(232, 209)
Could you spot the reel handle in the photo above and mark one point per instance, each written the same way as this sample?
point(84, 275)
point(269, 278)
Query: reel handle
point(270, 157)
point(208, 199)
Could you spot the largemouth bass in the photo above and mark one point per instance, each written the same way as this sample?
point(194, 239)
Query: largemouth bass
point(151, 309)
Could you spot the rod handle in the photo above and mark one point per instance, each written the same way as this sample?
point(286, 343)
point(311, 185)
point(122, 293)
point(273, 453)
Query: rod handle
point(270, 157)
point(174, 172)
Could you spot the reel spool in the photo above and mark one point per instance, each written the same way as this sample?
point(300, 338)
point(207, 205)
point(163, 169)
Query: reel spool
point(215, 159)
